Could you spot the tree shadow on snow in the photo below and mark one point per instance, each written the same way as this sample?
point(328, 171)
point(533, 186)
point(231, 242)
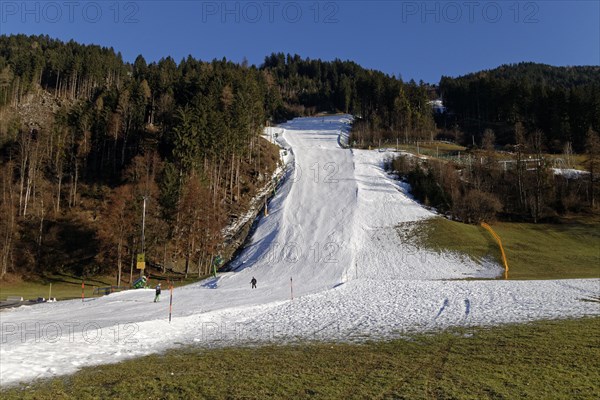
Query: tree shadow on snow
point(210, 283)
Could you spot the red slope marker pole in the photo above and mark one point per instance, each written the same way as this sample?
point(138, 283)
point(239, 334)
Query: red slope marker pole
point(82, 289)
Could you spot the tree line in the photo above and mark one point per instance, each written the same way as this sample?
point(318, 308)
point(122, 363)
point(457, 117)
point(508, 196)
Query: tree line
point(385, 107)
point(562, 102)
point(524, 187)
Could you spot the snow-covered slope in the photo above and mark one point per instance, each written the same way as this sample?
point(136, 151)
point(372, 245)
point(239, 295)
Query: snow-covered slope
point(329, 240)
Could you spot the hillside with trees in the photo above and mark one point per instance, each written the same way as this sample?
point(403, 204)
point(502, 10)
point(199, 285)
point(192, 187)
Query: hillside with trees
point(561, 102)
point(524, 125)
point(522, 187)
point(86, 139)
point(386, 107)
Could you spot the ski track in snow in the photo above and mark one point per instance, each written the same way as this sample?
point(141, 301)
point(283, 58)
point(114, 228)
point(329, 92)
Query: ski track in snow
point(332, 228)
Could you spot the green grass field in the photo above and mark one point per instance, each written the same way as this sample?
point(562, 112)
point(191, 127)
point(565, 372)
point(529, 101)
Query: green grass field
point(534, 251)
point(432, 149)
point(69, 287)
point(63, 287)
point(428, 148)
point(442, 150)
point(542, 360)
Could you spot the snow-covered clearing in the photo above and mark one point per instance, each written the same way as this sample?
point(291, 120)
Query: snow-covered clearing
point(331, 238)
point(570, 173)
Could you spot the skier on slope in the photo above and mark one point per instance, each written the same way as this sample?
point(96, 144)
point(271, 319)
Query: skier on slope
point(157, 297)
point(253, 282)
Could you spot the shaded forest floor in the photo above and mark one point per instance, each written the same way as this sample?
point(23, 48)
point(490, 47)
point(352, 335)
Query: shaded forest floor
point(72, 249)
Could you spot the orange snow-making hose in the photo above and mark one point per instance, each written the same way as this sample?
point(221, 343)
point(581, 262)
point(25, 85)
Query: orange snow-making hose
point(499, 241)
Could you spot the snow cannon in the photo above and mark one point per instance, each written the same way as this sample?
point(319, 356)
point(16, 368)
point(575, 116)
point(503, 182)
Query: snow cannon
point(218, 260)
point(140, 283)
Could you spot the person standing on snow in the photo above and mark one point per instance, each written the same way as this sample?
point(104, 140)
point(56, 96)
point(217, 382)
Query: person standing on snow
point(157, 297)
point(253, 282)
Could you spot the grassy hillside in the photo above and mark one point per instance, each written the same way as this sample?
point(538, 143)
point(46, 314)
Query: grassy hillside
point(534, 251)
point(558, 359)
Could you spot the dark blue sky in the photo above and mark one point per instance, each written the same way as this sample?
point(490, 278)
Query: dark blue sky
point(416, 39)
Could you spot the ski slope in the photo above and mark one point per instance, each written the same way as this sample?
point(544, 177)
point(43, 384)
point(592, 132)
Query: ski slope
point(329, 240)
